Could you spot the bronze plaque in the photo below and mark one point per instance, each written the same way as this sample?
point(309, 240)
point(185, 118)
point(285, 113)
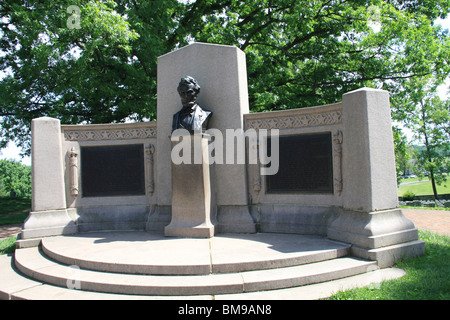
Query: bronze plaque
point(306, 164)
point(112, 170)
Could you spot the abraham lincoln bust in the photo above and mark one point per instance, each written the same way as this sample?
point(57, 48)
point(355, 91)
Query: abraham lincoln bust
point(191, 117)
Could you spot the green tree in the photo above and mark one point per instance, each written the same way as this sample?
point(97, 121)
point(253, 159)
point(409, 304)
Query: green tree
point(15, 177)
point(299, 53)
point(402, 153)
point(428, 117)
point(55, 69)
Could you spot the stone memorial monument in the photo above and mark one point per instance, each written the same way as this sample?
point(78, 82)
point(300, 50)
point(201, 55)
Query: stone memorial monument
point(332, 200)
point(336, 177)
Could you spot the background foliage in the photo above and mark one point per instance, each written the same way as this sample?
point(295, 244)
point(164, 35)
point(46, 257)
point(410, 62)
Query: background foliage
point(14, 176)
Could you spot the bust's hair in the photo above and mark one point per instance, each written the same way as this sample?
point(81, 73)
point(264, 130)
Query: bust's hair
point(189, 80)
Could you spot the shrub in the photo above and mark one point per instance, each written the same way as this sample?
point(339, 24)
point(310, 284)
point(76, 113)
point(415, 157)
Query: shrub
point(408, 196)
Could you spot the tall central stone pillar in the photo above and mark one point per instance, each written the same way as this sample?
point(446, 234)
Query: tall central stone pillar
point(193, 194)
point(222, 74)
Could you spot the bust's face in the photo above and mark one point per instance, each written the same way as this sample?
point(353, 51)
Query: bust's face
point(188, 95)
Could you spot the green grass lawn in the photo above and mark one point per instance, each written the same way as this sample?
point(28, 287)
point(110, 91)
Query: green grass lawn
point(8, 205)
point(7, 245)
point(19, 206)
point(421, 188)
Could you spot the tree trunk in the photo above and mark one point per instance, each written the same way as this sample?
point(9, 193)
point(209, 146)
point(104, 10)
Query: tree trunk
point(429, 159)
point(433, 184)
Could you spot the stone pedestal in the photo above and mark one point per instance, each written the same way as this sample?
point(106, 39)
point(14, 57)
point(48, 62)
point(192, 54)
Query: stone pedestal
point(48, 216)
point(193, 196)
point(370, 219)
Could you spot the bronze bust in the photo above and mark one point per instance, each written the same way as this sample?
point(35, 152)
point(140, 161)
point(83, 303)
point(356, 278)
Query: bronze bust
point(191, 117)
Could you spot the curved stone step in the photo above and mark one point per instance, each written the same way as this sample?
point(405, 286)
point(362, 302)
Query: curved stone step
point(33, 263)
point(154, 254)
point(15, 286)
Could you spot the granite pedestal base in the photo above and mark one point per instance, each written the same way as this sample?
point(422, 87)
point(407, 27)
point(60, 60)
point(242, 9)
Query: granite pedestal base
point(193, 199)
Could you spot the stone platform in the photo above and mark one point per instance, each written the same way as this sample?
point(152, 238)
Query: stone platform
point(150, 265)
point(155, 254)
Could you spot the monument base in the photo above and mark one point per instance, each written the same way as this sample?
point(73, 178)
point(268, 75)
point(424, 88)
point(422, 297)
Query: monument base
point(193, 196)
point(387, 256)
point(384, 236)
point(235, 219)
point(48, 223)
point(202, 231)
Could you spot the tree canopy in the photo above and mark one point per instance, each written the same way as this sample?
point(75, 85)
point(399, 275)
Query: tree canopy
point(14, 177)
point(97, 64)
point(422, 110)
